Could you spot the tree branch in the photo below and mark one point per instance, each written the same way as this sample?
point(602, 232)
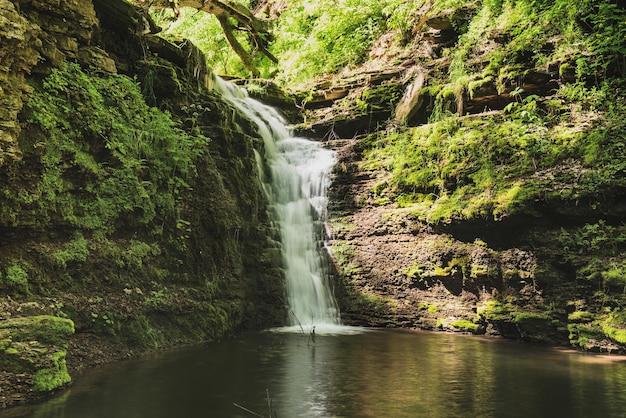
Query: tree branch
point(225, 11)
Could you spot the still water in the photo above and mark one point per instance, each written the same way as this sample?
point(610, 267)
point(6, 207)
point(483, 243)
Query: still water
point(372, 373)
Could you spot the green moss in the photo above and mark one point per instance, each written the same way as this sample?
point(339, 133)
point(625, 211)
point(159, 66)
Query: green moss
point(525, 317)
point(19, 357)
point(53, 376)
point(581, 335)
point(493, 310)
point(16, 277)
point(11, 351)
point(580, 316)
point(4, 344)
point(465, 325)
point(74, 251)
point(383, 97)
point(366, 302)
point(48, 329)
point(415, 271)
point(129, 160)
point(425, 306)
point(616, 334)
point(483, 168)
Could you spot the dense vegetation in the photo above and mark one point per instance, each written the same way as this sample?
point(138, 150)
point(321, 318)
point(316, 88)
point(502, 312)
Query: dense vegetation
point(122, 215)
point(312, 39)
point(321, 38)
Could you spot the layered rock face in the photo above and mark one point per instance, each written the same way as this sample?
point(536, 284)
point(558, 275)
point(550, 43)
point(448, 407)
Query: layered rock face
point(418, 244)
point(19, 52)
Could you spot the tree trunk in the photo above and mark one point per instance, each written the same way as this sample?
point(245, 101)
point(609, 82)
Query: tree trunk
point(245, 58)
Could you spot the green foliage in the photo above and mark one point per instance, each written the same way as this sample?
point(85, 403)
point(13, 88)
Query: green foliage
point(425, 306)
point(120, 164)
point(581, 35)
point(581, 335)
point(592, 238)
point(402, 17)
point(616, 334)
point(74, 251)
point(494, 166)
point(325, 36)
point(16, 275)
point(137, 331)
point(44, 328)
point(607, 50)
point(580, 316)
point(104, 323)
point(311, 39)
point(137, 253)
point(204, 30)
point(156, 299)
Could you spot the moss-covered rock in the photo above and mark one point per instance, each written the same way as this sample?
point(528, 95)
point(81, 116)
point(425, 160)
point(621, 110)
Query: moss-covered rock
point(36, 346)
point(44, 328)
point(53, 374)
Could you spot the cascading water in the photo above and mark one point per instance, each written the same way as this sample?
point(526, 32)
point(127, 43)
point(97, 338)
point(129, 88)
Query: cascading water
point(296, 187)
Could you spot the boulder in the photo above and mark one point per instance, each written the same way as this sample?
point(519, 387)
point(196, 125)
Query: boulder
point(32, 355)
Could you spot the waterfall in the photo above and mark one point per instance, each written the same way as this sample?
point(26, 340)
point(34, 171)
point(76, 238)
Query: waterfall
point(295, 182)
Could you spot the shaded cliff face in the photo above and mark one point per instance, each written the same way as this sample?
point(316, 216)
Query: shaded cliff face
point(131, 204)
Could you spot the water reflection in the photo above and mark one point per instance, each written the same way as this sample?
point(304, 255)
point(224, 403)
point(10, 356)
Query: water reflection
point(368, 374)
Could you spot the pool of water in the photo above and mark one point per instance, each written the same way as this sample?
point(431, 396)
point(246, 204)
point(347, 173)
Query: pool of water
point(366, 373)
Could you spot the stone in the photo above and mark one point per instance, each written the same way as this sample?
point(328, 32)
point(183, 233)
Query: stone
point(47, 329)
point(96, 57)
point(67, 43)
point(36, 346)
point(412, 100)
point(17, 58)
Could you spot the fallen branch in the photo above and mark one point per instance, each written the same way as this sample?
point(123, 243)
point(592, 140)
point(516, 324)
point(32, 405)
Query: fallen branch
point(247, 410)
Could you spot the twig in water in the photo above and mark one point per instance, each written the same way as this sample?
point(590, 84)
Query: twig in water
point(297, 319)
point(269, 403)
point(270, 413)
point(249, 411)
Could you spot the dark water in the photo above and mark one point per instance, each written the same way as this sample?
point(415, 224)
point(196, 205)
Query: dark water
point(370, 374)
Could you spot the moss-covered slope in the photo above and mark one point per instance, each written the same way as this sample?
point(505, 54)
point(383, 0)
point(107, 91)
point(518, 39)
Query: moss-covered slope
point(497, 189)
point(130, 201)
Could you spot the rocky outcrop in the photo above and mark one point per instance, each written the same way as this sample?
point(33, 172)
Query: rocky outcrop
point(19, 53)
point(356, 105)
point(408, 253)
point(412, 100)
point(32, 356)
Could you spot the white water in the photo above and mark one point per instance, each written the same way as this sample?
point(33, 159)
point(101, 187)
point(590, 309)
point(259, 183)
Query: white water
point(295, 183)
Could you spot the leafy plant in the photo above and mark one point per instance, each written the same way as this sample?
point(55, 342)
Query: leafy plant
point(75, 250)
point(17, 276)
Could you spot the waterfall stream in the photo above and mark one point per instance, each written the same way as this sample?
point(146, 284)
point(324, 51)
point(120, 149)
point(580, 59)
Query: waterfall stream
point(295, 176)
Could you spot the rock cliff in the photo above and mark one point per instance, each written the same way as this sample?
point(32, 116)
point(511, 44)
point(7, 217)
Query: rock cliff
point(132, 216)
point(478, 203)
